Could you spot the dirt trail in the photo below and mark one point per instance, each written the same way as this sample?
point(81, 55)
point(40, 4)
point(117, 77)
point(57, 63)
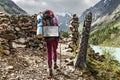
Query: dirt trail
point(30, 64)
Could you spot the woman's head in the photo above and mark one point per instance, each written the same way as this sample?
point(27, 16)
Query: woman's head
point(48, 14)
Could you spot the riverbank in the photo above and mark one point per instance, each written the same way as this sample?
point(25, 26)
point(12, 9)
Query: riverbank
point(112, 50)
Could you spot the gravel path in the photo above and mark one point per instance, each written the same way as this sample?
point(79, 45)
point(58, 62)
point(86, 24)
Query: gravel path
point(30, 64)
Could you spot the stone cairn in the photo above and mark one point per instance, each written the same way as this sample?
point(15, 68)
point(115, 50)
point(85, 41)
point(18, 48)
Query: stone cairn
point(73, 33)
point(17, 31)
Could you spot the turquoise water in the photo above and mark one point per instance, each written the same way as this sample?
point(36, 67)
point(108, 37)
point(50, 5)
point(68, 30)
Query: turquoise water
point(115, 51)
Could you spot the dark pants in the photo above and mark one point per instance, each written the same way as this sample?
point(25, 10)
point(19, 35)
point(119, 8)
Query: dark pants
point(51, 51)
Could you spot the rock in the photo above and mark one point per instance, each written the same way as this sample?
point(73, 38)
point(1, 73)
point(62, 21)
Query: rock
point(9, 68)
point(71, 68)
point(69, 43)
point(15, 45)
point(2, 52)
point(5, 52)
point(17, 29)
point(6, 46)
point(8, 36)
point(70, 63)
point(13, 76)
point(22, 40)
point(41, 45)
point(69, 50)
point(67, 47)
point(67, 60)
point(3, 26)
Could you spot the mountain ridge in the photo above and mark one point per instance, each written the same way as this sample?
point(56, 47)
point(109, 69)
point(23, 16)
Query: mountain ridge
point(64, 21)
point(8, 6)
point(105, 29)
point(101, 9)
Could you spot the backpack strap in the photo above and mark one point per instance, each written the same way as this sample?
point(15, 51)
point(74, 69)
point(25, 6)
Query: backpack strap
point(55, 21)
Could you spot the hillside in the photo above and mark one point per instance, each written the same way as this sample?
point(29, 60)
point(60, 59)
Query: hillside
point(108, 33)
point(10, 7)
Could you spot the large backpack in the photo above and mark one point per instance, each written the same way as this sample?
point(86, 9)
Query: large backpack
point(50, 20)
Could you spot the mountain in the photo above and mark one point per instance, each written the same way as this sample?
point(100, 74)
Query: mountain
point(64, 21)
point(108, 18)
point(106, 29)
point(101, 9)
point(10, 7)
point(107, 34)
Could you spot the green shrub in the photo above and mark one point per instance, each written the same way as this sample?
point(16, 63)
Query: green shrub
point(106, 70)
point(64, 34)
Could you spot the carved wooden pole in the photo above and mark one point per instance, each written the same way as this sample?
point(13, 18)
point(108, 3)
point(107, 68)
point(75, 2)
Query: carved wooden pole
point(81, 55)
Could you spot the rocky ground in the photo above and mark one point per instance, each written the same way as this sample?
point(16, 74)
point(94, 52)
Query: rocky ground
point(23, 55)
point(30, 64)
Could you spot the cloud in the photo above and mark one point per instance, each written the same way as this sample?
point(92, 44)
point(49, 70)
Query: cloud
point(58, 6)
point(44, 3)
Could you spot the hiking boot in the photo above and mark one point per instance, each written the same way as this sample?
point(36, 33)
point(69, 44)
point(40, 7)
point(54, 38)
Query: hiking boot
point(50, 74)
point(55, 66)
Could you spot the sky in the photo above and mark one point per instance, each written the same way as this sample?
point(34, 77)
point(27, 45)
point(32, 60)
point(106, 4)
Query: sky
point(57, 6)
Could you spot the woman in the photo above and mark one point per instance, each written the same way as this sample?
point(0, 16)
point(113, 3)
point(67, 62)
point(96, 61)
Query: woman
point(52, 42)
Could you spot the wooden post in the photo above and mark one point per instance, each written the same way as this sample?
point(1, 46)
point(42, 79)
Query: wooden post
point(80, 61)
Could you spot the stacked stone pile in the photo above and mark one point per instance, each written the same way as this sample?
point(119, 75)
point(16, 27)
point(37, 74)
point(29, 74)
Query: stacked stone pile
point(17, 31)
point(73, 33)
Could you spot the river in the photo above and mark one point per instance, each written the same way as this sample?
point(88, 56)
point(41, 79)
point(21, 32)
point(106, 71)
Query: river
point(114, 51)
